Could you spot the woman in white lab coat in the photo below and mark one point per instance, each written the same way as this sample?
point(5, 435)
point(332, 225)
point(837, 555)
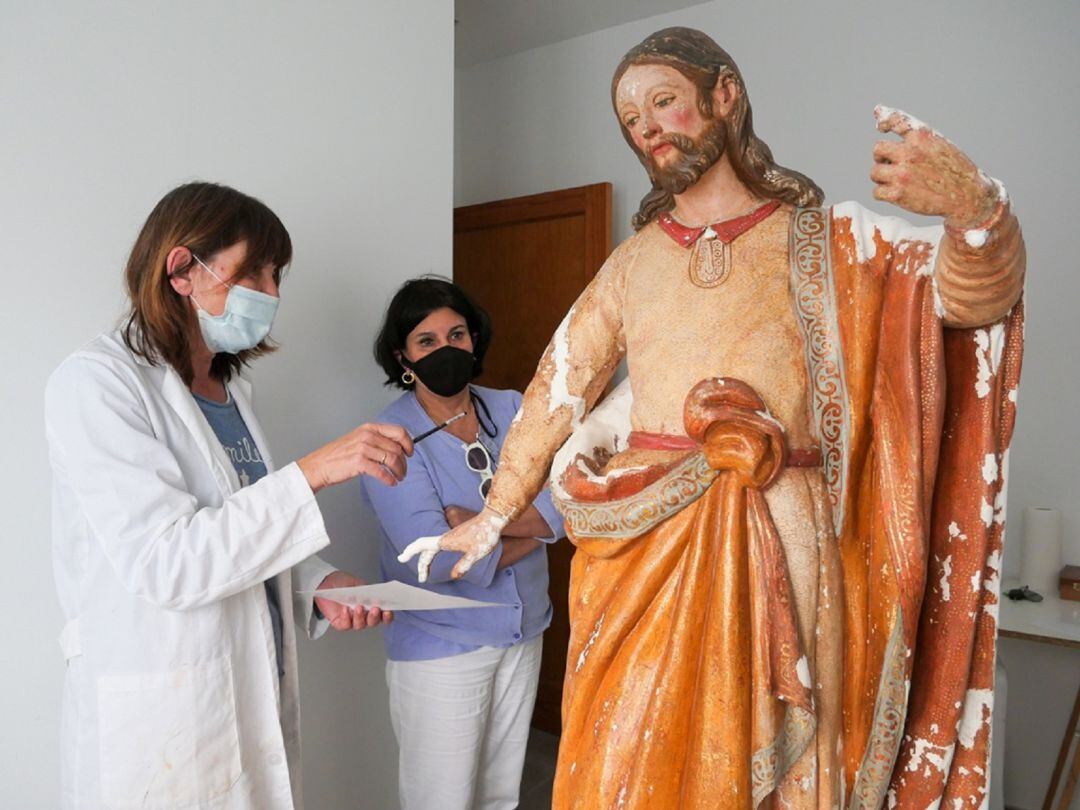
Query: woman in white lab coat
point(178, 546)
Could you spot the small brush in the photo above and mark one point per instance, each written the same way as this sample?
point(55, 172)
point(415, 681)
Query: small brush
point(437, 428)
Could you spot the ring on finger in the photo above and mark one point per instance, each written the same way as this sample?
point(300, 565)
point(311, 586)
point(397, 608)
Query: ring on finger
point(383, 458)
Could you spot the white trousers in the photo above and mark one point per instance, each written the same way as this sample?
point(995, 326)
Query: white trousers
point(462, 724)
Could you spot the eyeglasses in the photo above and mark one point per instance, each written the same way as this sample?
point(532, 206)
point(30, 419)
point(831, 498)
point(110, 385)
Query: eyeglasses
point(478, 459)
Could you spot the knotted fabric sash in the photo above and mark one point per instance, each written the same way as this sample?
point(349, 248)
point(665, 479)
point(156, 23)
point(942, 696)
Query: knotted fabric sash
point(686, 685)
point(639, 440)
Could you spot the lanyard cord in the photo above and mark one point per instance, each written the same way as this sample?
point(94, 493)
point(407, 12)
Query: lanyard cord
point(491, 432)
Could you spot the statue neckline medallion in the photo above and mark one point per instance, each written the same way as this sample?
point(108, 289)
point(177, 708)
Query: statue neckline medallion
point(710, 245)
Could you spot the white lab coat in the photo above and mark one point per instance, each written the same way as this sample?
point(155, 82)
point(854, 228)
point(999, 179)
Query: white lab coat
point(171, 695)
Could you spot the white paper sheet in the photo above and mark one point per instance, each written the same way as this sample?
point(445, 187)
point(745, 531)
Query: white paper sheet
point(396, 595)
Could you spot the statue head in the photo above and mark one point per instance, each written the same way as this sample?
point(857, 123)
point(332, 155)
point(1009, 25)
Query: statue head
point(678, 62)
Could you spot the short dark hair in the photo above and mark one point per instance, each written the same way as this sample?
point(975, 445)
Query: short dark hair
point(417, 299)
point(205, 218)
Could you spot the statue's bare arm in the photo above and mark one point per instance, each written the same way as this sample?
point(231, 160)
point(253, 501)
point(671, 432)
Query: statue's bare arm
point(575, 368)
point(980, 262)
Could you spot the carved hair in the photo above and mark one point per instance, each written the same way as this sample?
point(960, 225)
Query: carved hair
point(705, 63)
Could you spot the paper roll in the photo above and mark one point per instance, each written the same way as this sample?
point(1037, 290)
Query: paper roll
point(1041, 563)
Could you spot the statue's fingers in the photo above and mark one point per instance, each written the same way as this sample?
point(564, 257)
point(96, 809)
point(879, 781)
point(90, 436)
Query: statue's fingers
point(890, 120)
point(888, 152)
point(885, 173)
point(888, 193)
point(427, 548)
point(417, 546)
point(463, 565)
point(423, 565)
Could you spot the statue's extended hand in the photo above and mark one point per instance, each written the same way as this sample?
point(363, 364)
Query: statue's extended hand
point(926, 173)
point(475, 538)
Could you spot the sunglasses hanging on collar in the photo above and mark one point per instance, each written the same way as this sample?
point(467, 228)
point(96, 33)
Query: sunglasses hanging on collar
point(478, 459)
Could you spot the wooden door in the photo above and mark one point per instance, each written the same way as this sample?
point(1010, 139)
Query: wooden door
point(526, 260)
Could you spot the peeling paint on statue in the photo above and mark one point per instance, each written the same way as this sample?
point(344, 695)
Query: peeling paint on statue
point(835, 318)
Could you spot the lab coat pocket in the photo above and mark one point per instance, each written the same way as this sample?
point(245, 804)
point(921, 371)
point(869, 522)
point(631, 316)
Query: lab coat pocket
point(168, 739)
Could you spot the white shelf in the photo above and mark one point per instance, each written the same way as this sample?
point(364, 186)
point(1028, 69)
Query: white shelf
point(1054, 620)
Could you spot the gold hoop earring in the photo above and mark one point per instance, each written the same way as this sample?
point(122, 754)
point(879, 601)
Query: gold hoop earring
point(408, 377)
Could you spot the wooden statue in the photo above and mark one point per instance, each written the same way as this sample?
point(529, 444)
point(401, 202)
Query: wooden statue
point(789, 518)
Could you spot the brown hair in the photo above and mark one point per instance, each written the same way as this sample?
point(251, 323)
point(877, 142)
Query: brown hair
point(703, 62)
point(205, 218)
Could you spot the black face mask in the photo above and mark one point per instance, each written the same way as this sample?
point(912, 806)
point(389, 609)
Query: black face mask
point(445, 371)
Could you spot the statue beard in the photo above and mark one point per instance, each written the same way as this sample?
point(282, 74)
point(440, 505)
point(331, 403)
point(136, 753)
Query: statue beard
point(696, 156)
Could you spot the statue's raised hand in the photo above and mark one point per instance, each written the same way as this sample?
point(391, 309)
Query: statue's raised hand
point(475, 539)
point(926, 173)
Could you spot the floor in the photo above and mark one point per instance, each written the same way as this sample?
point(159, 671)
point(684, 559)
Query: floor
point(539, 771)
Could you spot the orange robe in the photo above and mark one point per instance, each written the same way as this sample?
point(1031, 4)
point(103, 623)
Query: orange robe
point(744, 633)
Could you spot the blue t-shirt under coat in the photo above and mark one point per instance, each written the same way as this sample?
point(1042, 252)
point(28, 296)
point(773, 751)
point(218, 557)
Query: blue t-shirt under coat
point(231, 430)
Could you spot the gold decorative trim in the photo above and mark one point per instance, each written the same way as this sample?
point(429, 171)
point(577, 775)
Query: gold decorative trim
point(768, 765)
point(815, 306)
point(890, 711)
point(630, 517)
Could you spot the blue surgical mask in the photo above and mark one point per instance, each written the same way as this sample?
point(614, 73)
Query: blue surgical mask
point(244, 323)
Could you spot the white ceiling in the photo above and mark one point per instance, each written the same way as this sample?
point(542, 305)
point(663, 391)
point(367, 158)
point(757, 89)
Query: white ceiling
point(488, 29)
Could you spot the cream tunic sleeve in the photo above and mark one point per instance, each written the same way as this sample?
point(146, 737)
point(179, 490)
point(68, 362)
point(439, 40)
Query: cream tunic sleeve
point(576, 366)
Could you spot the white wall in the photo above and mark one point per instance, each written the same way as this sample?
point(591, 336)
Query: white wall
point(336, 114)
point(998, 78)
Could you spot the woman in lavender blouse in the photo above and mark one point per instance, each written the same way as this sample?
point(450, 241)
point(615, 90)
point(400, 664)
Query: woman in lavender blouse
point(462, 682)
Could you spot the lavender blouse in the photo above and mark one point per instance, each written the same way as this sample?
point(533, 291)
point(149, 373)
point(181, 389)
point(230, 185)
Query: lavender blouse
point(438, 477)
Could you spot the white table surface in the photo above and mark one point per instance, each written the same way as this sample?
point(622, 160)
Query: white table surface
point(1054, 620)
